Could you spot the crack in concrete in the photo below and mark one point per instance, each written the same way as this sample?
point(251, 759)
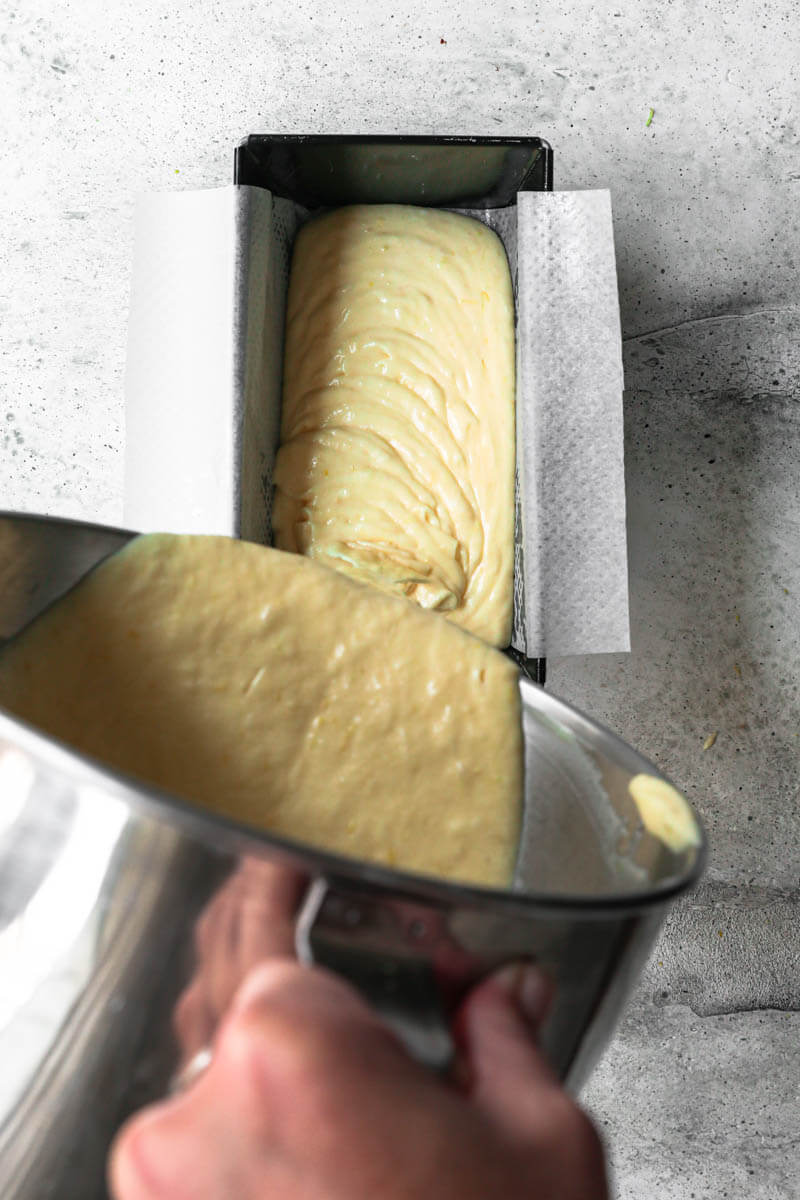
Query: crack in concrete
point(749, 894)
point(764, 310)
point(729, 948)
point(740, 1008)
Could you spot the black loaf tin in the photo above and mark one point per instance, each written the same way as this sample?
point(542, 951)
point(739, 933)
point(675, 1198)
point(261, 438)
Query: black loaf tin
point(321, 171)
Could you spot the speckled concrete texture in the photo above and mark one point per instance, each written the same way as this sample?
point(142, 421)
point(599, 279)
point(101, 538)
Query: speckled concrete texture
point(687, 1113)
point(698, 1094)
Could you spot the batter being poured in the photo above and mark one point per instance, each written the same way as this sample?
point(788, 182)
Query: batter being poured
point(276, 692)
point(397, 458)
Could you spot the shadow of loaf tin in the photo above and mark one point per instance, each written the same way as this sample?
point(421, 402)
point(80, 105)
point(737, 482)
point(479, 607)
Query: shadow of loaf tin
point(103, 881)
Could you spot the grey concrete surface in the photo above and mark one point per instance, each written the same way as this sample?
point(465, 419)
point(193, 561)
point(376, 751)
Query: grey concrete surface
point(686, 1113)
point(698, 1094)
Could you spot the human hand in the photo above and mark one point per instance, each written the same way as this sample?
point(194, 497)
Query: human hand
point(310, 1097)
point(249, 920)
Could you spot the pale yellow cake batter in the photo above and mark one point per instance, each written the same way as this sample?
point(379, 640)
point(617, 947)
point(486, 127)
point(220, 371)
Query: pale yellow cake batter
point(665, 812)
point(268, 688)
point(397, 457)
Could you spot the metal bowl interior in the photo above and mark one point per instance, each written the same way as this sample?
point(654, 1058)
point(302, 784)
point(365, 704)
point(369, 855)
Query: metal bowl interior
point(582, 842)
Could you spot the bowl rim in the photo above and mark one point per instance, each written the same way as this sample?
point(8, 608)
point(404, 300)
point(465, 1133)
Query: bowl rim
point(225, 835)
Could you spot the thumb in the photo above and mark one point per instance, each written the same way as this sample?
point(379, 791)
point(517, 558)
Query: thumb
point(496, 1027)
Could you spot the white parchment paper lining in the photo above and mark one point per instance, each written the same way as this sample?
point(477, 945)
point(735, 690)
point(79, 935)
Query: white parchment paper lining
point(203, 387)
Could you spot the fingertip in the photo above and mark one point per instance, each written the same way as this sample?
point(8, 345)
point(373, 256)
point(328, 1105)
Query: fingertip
point(526, 986)
point(122, 1181)
point(192, 1023)
point(285, 984)
point(517, 998)
point(496, 1029)
point(287, 1018)
point(129, 1167)
point(261, 983)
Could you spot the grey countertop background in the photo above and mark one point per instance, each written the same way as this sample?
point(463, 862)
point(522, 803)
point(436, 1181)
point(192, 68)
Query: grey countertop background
point(698, 1095)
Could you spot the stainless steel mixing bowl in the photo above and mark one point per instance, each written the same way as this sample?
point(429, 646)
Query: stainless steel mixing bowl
point(128, 916)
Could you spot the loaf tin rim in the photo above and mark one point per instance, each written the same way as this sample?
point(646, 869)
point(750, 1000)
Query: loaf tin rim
point(415, 139)
point(412, 139)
